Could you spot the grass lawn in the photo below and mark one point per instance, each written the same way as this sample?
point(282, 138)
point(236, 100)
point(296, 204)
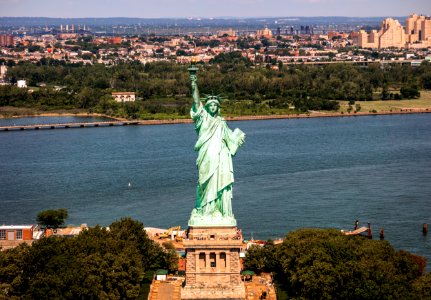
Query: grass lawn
point(10, 111)
point(249, 108)
point(424, 102)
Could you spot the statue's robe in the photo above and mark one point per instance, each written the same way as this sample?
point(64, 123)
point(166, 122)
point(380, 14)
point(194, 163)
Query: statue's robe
point(216, 145)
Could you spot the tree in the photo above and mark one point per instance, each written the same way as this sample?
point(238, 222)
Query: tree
point(97, 264)
point(52, 218)
point(385, 94)
point(261, 258)
point(255, 259)
point(230, 74)
point(87, 56)
point(422, 286)
point(181, 52)
point(231, 58)
point(410, 92)
point(324, 264)
point(357, 107)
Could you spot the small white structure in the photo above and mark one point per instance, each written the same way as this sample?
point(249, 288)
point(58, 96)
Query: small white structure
point(3, 71)
point(21, 83)
point(124, 96)
point(161, 274)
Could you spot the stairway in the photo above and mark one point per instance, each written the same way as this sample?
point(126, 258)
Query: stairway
point(163, 290)
point(177, 291)
point(154, 290)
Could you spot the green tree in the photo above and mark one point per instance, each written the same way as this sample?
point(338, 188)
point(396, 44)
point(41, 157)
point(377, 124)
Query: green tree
point(99, 263)
point(385, 95)
point(422, 287)
point(307, 87)
point(230, 58)
point(255, 259)
point(52, 218)
point(261, 258)
point(324, 264)
point(410, 92)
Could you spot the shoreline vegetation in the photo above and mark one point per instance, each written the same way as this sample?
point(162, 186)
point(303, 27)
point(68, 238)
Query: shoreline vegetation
point(6, 113)
point(249, 92)
point(162, 89)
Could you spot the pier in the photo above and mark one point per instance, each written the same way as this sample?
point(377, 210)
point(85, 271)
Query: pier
point(67, 125)
point(92, 124)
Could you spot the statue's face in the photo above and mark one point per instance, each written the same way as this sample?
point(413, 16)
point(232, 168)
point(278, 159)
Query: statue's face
point(212, 108)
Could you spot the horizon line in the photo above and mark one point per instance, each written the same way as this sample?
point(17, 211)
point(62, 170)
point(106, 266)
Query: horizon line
point(215, 17)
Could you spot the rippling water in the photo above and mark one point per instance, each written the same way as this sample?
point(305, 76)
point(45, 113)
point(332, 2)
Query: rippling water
point(49, 120)
point(290, 173)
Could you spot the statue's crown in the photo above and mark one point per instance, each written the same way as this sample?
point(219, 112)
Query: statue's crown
point(212, 98)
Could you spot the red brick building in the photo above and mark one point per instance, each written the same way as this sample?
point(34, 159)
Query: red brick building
point(6, 40)
point(13, 235)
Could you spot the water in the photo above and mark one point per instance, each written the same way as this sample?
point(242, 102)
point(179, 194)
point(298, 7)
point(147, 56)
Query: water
point(49, 120)
point(290, 174)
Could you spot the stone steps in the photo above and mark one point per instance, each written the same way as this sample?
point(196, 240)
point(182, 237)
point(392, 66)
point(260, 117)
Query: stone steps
point(154, 290)
point(177, 292)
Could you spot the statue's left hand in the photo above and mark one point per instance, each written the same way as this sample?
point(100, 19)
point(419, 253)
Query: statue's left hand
point(193, 78)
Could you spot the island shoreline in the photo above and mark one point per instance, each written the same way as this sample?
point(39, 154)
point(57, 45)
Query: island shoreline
point(228, 118)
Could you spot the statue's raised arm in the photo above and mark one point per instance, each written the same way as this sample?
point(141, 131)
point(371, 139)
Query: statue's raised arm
point(195, 91)
point(216, 145)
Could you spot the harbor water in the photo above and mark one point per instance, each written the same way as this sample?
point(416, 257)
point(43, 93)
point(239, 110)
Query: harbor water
point(292, 173)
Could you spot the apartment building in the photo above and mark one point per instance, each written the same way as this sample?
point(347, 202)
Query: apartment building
point(6, 40)
point(390, 35)
point(416, 34)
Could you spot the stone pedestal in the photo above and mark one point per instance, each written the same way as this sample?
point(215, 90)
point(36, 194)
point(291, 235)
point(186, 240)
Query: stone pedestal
point(213, 265)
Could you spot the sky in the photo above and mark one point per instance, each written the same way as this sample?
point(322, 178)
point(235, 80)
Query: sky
point(211, 8)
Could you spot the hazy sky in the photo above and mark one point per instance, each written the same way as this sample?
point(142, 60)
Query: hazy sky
point(211, 8)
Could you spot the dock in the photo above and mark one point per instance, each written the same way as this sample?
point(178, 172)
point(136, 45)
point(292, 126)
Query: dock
point(67, 125)
point(91, 124)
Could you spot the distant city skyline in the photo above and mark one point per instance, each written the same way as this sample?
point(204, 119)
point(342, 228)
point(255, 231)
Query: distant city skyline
point(211, 8)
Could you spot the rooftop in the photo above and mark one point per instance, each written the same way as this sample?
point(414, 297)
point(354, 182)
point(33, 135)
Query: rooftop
point(16, 227)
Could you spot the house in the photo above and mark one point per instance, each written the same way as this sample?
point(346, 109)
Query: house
point(124, 96)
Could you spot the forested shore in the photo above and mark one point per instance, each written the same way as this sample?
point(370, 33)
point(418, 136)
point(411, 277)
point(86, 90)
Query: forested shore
point(324, 264)
point(162, 88)
point(118, 264)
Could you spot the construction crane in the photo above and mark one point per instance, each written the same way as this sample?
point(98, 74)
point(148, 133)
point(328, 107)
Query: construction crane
point(168, 233)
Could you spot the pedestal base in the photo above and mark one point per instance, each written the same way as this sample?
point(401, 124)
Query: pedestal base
point(213, 265)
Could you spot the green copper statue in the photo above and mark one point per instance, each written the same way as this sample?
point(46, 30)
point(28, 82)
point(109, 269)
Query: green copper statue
point(216, 145)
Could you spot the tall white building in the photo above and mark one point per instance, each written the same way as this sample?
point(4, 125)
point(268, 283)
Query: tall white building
point(3, 71)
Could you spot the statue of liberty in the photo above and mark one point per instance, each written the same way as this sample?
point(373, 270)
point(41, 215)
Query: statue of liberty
point(216, 145)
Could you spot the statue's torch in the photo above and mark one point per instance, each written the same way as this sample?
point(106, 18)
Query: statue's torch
point(193, 69)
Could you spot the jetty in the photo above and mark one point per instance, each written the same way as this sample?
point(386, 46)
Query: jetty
point(67, 125)
point(91, 124)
